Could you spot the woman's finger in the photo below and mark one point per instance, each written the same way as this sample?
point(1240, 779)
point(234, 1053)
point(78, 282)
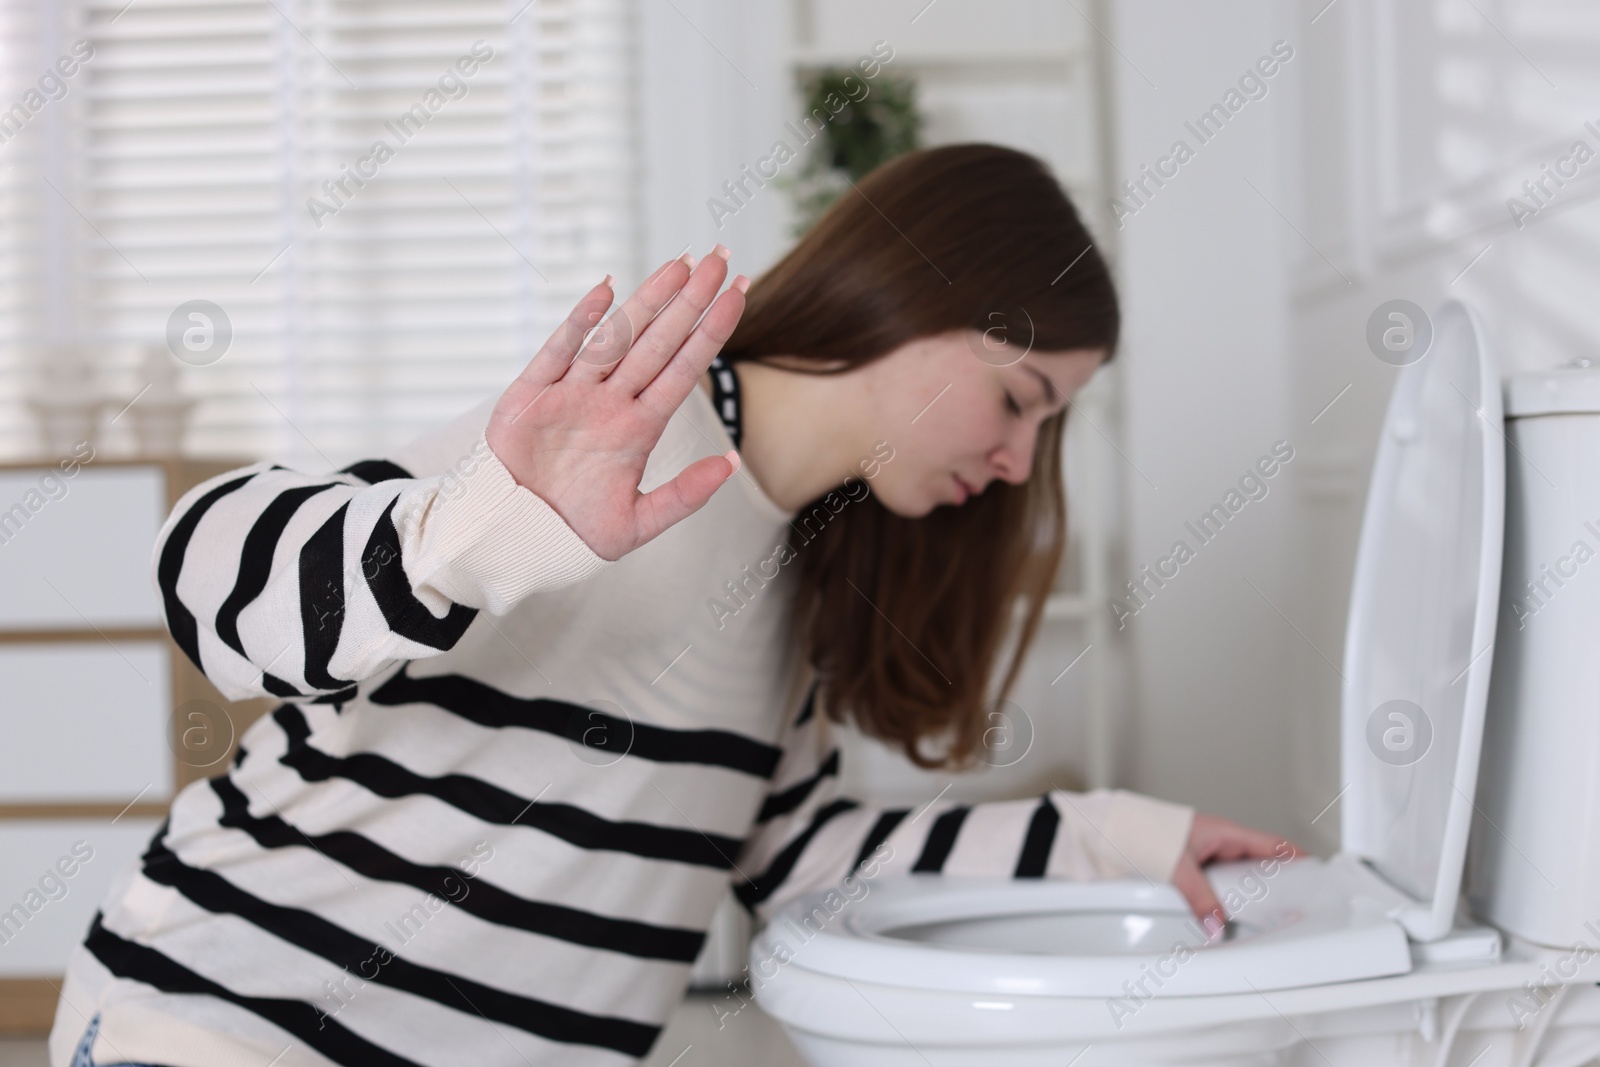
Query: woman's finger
point(1190, 881)
point(1214, 837)
point(665, 335)
point(618, 333)
point(1253, 844)
point(688, 365)
point(553, 358)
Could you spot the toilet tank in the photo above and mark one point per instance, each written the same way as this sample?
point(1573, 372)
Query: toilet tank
point(1533, 865)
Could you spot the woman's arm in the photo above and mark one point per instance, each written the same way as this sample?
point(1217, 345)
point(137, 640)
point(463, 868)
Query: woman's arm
point(280, 583)
point(808, 837)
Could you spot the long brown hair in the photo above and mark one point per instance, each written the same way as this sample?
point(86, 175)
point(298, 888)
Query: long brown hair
point(961, 237)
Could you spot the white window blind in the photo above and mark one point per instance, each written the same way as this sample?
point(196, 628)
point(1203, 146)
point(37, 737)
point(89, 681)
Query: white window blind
point(392, 205)
point(22, 317)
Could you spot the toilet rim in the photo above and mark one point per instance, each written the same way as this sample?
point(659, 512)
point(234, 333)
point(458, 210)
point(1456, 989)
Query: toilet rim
point(1311, 939)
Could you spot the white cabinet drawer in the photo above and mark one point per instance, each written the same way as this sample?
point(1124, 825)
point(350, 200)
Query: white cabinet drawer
point(44, 911)
point(85, 722)
point(75, 552)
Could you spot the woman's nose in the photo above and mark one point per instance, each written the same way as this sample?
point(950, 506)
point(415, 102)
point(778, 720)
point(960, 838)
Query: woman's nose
point(1013, 461)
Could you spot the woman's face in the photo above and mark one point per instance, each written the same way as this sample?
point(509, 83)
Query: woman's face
point(959, 415)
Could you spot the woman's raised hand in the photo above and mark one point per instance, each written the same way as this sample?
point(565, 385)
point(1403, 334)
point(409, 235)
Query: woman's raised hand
point(577, 427)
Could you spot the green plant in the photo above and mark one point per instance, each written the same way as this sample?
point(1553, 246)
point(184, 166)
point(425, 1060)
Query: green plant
point(865, 132)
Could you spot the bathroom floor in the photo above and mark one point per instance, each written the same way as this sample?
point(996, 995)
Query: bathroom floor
point(693, 1038)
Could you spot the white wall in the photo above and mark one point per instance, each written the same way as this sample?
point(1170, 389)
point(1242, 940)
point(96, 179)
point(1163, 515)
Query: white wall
point(714, 94)
point(1204, 278)
point(1424, 122)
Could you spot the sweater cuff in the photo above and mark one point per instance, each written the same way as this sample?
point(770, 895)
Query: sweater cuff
point(1149, 834)
point(486, 542)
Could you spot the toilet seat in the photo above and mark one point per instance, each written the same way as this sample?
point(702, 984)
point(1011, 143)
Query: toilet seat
point(1311, 922)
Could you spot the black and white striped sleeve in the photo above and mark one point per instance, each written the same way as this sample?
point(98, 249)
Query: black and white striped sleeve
point(807, 836)
point(279, 583)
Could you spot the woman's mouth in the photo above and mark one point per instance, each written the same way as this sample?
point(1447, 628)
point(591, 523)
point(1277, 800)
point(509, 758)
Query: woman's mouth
point(963, 490)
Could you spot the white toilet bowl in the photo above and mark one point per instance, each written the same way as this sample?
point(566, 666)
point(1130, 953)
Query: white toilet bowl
point(925, 970)
point(1363, 959)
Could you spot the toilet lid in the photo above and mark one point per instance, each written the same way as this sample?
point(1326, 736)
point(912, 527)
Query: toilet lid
point(1421, 628)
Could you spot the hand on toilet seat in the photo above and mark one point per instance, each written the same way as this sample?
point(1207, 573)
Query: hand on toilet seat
point(1214, 838)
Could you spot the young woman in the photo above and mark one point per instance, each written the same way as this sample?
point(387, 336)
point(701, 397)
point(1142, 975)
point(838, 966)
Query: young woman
point(535, 720)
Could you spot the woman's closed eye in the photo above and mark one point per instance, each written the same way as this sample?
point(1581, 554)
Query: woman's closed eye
point(1011, 404)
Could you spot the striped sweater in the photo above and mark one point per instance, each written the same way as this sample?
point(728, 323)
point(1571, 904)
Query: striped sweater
point(509, 781)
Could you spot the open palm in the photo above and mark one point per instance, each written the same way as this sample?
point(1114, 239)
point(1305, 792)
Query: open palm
point(578, 424)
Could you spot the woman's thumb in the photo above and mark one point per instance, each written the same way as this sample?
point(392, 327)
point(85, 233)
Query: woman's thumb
point(668, 504)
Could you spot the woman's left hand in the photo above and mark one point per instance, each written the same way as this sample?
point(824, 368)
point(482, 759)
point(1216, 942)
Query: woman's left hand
point(1212, 838)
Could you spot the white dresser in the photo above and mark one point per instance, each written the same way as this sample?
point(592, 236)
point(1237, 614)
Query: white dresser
point(102, 719)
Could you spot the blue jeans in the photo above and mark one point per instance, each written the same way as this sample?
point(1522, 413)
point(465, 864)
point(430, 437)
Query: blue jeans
point(81, 1057)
